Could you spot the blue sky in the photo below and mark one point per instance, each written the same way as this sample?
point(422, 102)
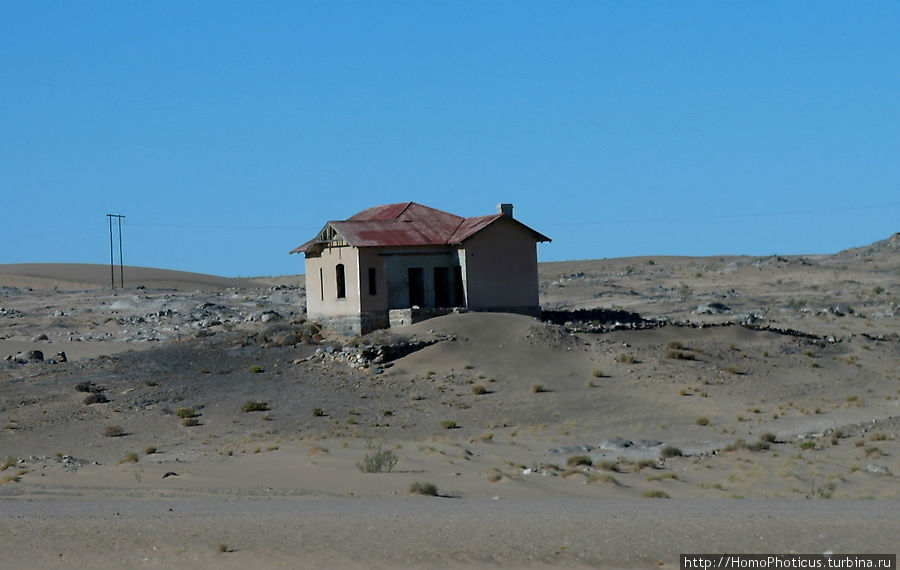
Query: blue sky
point(227, 133)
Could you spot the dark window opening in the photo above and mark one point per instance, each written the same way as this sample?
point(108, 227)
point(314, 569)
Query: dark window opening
point(416, 286)
point(441, 287)
point(373, 287)
point(341, 285)
point(321, 285)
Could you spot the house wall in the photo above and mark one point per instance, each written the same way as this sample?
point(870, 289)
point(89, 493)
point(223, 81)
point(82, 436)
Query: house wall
point(328, 304)
point(501, 269)
point(397, 263)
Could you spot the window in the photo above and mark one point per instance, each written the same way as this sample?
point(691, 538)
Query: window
point(373, 287)
point(416, 283)
point(339, 279)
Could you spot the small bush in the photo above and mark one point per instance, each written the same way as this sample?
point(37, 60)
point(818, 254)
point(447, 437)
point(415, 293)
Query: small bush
point(251, 406)
point(537, 388)
point(89, 387)
point(130, 457)
point(655, 494)
point(113, 431)
point(478, 390)
point(675, 345)
point(702, 421)
point(428, 489)
point(626, 359)
point(768, 437)
point(380, 461)
point(576, 460)
point(733, 370)
point(256, 369)
point(96, 398)
point(10, 462)
point(608, 465)
point(670, 451)
point(807, 444)
point(149, 450)
point(597, 373)
point(449, 424)
point(318, 412)
point(190, 422)
point(680, 355)
point(186, 413)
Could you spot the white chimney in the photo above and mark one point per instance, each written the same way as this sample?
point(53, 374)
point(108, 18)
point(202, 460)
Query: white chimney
point(505, 209)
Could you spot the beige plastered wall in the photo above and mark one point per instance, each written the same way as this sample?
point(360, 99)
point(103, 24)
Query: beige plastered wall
point(501, 268)
point(319, 304)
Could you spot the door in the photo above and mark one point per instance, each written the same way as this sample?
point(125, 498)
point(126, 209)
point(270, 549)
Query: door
point(416, 286)
point(441, 287)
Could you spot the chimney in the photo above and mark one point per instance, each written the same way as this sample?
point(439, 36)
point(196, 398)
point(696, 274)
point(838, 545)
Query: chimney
point(505, 209)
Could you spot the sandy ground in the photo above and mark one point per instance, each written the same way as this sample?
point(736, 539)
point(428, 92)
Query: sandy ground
point(546, 446)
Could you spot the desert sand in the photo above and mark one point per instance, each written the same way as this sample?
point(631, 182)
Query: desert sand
point(726, 404)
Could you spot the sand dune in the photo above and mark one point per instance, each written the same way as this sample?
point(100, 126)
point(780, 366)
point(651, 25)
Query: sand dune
point(771, 424)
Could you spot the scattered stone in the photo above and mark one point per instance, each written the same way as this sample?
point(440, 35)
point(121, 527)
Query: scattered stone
point(878, 469)
point(712, 309)
point(40, 337)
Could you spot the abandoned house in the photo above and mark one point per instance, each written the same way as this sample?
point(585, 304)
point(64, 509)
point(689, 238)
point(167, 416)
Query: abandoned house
point(400, 263)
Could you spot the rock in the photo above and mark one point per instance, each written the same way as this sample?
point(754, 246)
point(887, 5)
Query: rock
point(879, 469)
point(270, 316)
point(29, 356)
point(712, 309)
point(170, 474)
point(615, 443)
point(40, 337)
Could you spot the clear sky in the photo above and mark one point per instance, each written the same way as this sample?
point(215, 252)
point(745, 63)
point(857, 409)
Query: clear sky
point(228, 132)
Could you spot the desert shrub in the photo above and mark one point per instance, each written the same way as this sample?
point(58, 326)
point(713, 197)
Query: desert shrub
point(190, 422)
point(877, 436)
point(807, 444)
point(420, 488)
point(675, 345)
point(597, 373)
point(95, 398)
point(478, 389)
point(449, 424)
point(733, 370)
point(670, 451)
point(256, 369)
point(251, 406)
point(644, 463)
point(680, 355)
point(655, 494)
point(758, 446)
point(89, 387)
point(702, 421)
point(130, 457)
point(537, 388)
point(824, 491)
point(626, 359)
point(576, 460)
point(380, 461)
point(186, 413)
point(318, 412)
point(608, 465)
point(594, 478)
point(10, 462)
point(113, 431)
point(149, 450)
point(767, 437)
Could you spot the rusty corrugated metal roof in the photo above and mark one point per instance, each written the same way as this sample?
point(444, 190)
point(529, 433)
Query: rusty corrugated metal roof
point(408, 224)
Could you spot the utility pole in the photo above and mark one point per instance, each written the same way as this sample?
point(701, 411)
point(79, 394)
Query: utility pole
point(112, 262)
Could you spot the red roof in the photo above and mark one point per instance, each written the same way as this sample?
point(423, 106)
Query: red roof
point(409, 224)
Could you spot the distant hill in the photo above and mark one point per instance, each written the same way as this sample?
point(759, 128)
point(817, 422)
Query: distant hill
point(88, 275)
